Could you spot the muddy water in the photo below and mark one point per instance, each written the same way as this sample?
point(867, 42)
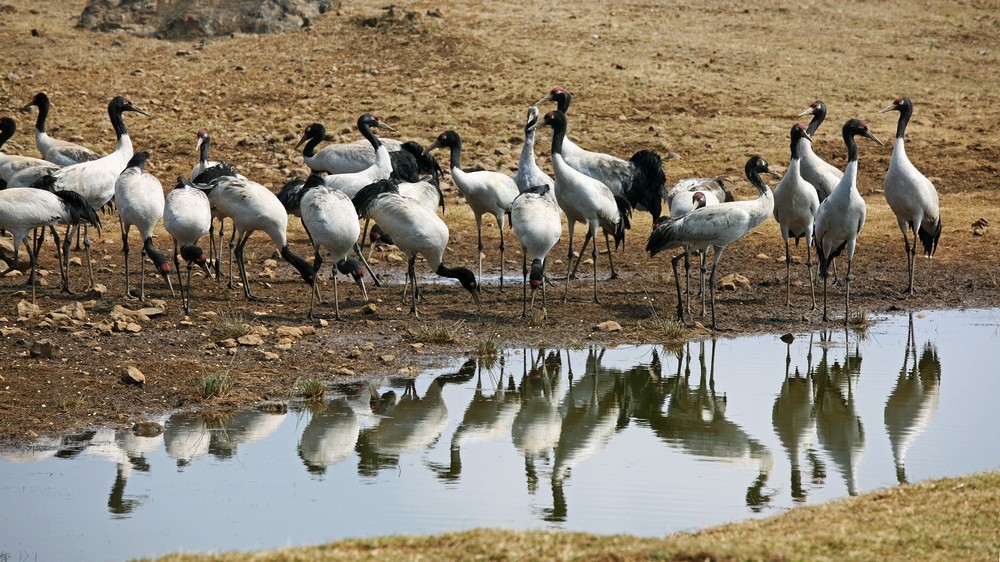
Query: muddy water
point(644, 440)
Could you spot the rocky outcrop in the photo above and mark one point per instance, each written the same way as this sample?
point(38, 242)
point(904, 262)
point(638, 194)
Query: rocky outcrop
point(195, 19)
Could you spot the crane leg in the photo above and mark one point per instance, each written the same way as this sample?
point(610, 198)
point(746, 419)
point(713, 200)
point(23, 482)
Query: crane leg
point(677, 283)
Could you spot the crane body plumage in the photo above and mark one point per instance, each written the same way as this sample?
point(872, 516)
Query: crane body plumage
point(537, 224)
point(795, 205)
point(585, 200)
point(714, 227)
point(416, 230)
point(841, 216)
point(59, 152)
point(332, 223)
point(140, 202)
point(485, 191)
point(911, 196)
point(187, 217)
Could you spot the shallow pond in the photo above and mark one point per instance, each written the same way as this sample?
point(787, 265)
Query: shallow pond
point(645, 440)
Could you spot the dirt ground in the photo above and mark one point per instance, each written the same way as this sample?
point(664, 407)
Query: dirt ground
point(710, 83)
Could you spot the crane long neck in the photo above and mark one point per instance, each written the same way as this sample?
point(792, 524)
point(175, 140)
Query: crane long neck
point(754, 176)
point(562, 104)
point(366, 131)
point(456, 154)
point(818, 116)
point(852, 147)
point(904, 119)
point(43, 114)
point(117, 122)
point(5, 135)
point(558, 136)
point(796, 139)
point(204, 150)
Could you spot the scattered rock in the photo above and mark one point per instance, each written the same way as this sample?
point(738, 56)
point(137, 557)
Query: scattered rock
point(76, 311)
point(12, 331)
point(251, 340)
point(355, 353)
point(119, 325)
point(289, 332)
point(133, 328)
point(368, 346)
point(309, 330)
point(788, 338)
point(608, 326)
point(97, 291)
point(369, 309)
point(387, 358)
point(283, 346)
point(151, 312)
point(45, 349)
point(763, 257)
point(344, 371)
point(14, 273)
point(269, 356)
point(417, 345)
point(323, 323)
point(76, 261)
point(228, 343)
point(980, 226)
point(270, 264)
point(734, 280)
point(26, 309)
point(133, 376)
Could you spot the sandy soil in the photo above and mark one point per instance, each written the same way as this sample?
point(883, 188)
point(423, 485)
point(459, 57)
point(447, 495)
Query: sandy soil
point(711, 83)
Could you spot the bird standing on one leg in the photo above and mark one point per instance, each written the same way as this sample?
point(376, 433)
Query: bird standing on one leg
point(911, 196)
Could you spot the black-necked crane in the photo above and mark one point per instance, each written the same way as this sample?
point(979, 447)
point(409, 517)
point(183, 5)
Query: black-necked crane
point(529, 175)
point(416, 230)
point(795, 206)
point(842, 215)
point(485, 191)
point(715, 227)
point(536, 222)
point(59, 152)
point(823, 176)
point(23, 209)
point(381, 167)
point(95, 180)
point(252, 207)
point(687, 195)
point(911, 196)
point(187, 217)
point(201, 146)
point(584, 199)
point(11, 164)
point(406, 159)
point(332, 223)
point(140, 202)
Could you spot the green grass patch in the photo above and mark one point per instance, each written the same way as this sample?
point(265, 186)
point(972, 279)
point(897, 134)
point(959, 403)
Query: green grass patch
point(311, 389)
point(215, 385)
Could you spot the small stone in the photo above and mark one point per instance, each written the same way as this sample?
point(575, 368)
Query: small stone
point(269, 356)
point(76, 261)
point(14, 273)
point(736, 280)
point(368, 346)
point(355, 353)
point(251, 340)
point(387, 358)
point(45, 349)
point(133, 328)
point(608, 326)
point(97, 291)
point(370, 323)
point(260, 331)
point(208, 314)
point(369, 309)
point(763, 257)
point(133, 376)
point(270, 264)
point(119, 325)
point(57, 318)
point(12, 331)
point(119, 312)
point(417, 345)
point(324, 323)
point(394, 257)
point(283, 346)
point(788, 338)
point(289, 332)
point(26, 309)
point(588, 261)
point(344, 371)
point(727, 286)
point(228, 343)
point(104, 327)
point(151, 312)
point(309, 330)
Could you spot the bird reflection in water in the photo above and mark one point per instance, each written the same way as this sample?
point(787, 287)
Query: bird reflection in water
point(838, 424)
point(913, 401)
point(793, 417)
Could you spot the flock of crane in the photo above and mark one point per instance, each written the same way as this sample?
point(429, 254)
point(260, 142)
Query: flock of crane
point(397, 185)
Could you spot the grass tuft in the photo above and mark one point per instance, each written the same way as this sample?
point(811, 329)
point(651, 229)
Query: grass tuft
point(488, 347)
point(859, 320)
point(311, 389)
point(672, 329)
point(230, 325)
point(436, 333)
point(215, 385)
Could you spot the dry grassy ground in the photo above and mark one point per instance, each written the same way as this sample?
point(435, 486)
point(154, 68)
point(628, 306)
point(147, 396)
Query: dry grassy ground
point(712, 82)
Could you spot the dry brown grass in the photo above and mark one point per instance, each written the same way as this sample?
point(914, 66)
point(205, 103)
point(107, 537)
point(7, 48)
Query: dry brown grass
point(949, 519)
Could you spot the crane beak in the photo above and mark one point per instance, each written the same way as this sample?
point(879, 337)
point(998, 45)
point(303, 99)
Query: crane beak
point(806, 112)
point(872, 136)
point(302, 140)
point(137, 110)
point(548, 97)
point(890, 108)
point(807, 136)
point(433, 146)
point(166, 277)
point(361, 283)
point(385, 126)
point(773, 173)
point(201, 140)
